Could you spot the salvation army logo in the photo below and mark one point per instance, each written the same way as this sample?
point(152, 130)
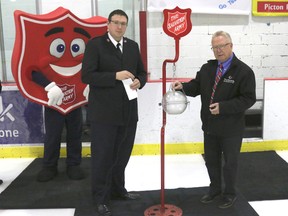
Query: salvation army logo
point(177, 22)
point(69, 93)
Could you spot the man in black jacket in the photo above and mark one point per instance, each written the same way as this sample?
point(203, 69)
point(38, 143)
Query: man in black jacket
point(110, 61)
point(224, 103)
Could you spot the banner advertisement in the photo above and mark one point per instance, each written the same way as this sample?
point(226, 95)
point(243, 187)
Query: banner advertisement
point(233, 7)
point(270, 8)
point(21, 121)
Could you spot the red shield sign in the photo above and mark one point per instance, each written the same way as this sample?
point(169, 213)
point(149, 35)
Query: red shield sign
point(177, 22)
point(69, 93)
point(53, 44)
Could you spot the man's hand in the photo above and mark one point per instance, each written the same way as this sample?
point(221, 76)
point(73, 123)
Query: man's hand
point(135, 85)
point(214, 108)
point(177, 85)
point(122, 75)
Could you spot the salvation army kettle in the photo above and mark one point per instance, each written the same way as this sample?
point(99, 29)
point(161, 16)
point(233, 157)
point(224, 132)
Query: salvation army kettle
point(174, 102)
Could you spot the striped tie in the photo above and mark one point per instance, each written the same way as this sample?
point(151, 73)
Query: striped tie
point(218, 77)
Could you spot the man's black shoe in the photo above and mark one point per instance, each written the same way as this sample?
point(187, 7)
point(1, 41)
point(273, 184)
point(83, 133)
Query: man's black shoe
point(127, 196)
point(47, 174)
point(103, 210)
point(227, 202)
point(1, 182)
point(208, 198)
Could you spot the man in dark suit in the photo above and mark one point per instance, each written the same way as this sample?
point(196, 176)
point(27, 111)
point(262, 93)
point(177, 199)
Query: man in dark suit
point(113, 116)
point(224, 102)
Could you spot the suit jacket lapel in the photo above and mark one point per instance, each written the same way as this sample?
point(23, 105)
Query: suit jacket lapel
point(112, 47)
point(125, 47)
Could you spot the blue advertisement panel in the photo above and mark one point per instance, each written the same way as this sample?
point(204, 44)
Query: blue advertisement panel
point(21, 121)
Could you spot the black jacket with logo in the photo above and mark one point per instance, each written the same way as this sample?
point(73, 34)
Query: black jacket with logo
point(235, 93)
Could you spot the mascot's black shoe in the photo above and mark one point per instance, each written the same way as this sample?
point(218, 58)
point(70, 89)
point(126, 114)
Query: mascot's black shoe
point(47, 174)
point(75, 172)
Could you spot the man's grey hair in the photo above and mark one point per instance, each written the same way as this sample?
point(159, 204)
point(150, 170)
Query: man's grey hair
point(222, 33)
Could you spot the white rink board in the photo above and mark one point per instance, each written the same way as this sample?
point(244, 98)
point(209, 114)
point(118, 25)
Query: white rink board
point(275, 111)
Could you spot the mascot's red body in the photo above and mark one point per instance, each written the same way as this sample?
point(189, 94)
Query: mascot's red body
point(54, 44)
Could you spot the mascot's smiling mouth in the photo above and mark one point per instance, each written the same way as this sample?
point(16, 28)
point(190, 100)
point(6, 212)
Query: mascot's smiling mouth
point(66, 71)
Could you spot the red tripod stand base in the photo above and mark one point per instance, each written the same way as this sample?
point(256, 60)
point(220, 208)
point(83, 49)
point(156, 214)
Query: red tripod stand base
point(169, 210)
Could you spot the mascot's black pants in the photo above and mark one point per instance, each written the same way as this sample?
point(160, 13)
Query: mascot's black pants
point(54, 125)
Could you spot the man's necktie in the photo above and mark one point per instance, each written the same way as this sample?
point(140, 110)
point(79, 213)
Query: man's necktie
point(119, 52)
point(218, 77)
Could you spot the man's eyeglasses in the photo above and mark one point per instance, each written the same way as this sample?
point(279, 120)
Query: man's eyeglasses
point(221, 47)
point(117, 23)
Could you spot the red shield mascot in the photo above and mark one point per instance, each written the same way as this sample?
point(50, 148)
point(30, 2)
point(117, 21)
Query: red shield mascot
point(46, 64)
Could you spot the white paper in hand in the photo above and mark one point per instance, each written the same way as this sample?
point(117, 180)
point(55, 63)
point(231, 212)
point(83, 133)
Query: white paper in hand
point(132, 94)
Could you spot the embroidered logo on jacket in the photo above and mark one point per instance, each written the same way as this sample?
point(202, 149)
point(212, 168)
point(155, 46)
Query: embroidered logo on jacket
point(229, 80)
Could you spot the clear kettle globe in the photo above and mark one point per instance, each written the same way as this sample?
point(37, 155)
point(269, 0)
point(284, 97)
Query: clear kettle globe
point(174, 102)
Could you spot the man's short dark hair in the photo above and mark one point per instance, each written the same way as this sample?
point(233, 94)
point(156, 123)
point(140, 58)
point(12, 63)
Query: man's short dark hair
point(117, 12)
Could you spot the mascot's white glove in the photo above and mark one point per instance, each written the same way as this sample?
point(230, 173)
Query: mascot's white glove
point(86, 92)
point(55, 94)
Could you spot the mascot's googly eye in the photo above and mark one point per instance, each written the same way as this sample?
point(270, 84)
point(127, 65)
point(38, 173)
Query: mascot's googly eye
point(77, 47)
point(57, 47)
